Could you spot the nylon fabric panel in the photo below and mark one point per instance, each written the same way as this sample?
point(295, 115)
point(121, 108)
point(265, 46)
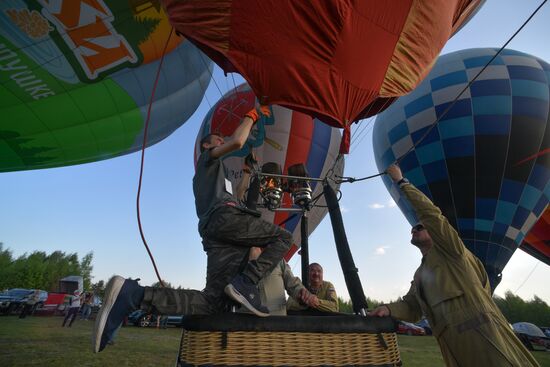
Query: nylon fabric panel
point(487, 165)
point(301, 131)
point(319, 52)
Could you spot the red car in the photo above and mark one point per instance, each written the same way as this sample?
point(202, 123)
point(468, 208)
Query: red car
point(404, 327)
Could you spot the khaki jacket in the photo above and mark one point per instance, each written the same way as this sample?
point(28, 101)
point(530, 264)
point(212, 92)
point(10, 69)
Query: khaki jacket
point(273, 286)
point(452, 290)
point(328, 300)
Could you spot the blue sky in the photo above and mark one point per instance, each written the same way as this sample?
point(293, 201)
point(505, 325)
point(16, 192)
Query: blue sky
point(91, 207)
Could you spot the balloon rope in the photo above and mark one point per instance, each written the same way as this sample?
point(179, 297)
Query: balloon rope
point(143, 155)
point(434, 124)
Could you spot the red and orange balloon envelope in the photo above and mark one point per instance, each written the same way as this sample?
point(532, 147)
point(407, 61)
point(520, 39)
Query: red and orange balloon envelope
point(537, 241)
point(339, 61)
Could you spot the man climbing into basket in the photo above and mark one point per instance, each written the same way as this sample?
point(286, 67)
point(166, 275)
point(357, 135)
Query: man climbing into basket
point(228, 231)
point(451, 288)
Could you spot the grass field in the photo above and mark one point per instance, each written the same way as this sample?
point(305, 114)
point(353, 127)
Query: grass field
point(41, 341)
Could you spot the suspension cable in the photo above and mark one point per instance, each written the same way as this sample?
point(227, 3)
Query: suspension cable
point(147, 120)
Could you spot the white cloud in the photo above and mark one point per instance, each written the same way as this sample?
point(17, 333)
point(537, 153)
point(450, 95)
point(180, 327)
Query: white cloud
point(391, 203)
point(380, 250)
point(344, 209)
point(376, 206)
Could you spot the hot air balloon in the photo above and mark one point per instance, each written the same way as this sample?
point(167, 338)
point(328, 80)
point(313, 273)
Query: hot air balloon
point(537, 241)
point(486, 164)
point(336, 60)
point(287, 138)
point(76, 78)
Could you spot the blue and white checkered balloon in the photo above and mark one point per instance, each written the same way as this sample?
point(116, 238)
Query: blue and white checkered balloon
point(487, 162)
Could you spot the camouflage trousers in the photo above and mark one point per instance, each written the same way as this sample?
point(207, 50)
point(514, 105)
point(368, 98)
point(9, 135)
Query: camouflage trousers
point(227, 239)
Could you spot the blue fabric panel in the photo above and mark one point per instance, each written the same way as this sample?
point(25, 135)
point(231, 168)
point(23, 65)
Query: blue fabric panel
point(436, 171)
point(520, 237)
point(511, 191)
point(540, 206)
point(462, 107)
point(398, 131)
point(520, 217)
point(534, 107)
point(492, 252)
point(503, 257)
point(466, 224)
point(459, 147)
point(318, 150)
point(492, 105)
point(529, 88)
point(530, 197)
point(418, 105)
point(457, 77)
point(485, 208)
point(430, 153)
point(475, 62)
point(490, 87)
point(432, 136)
point(425, 190)
point(461, 126)
point(388, 157)
point(484, 225)
point(416, 176)
point(526, 72)
point(509, 244)
point(409, 162)
point(500, 228)
point(505, 212)
point(539, 177)
point(481, 250)
point(492, 124)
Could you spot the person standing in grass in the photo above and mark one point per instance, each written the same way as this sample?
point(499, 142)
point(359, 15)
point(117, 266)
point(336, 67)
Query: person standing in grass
point(74, 306)
point(30, 302)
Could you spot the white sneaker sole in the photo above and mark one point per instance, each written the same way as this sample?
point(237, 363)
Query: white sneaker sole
point(111, 293)
point(238, 297)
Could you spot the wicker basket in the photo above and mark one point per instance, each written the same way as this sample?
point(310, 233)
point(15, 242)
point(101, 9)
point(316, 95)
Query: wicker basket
point(243, 340)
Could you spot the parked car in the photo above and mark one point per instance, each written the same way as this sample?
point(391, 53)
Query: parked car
point(424, 324)
point(13, 300)
point(143, 319)
point(404, 327)
point(531, 336)
point(545, 330)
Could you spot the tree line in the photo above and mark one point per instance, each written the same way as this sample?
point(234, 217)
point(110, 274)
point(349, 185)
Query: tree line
point(39, 270)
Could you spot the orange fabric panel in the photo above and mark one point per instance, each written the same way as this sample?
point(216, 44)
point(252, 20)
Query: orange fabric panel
point(428, 28)
point(330, 59)
point(205, 23)
point(465, 13)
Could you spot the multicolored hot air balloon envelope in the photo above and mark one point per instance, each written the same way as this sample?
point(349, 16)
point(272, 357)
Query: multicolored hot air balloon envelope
point(486, 164)
point(287, 138)
point(537, 241)
point(337, 60)
point(76, 77)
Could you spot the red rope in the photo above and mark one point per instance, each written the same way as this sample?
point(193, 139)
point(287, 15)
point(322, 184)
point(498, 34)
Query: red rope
point(143, 156)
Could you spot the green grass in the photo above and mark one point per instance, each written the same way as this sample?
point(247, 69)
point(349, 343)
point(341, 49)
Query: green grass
point(41, 341)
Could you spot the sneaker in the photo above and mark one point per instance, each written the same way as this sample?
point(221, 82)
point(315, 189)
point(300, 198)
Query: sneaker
point(122, 296)
point(242, 290)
